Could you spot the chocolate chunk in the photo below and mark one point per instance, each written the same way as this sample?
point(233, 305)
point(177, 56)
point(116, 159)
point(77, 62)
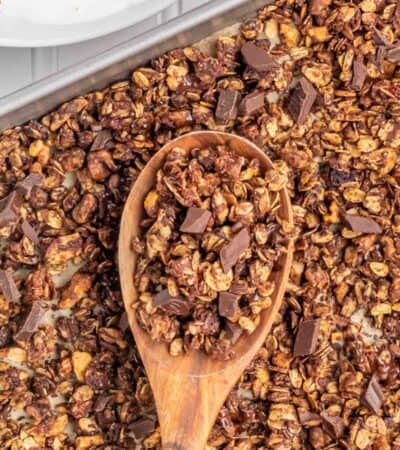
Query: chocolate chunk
point(373, 396)
point(103, 140)
point(30, 232)
point(379, 37)
point(233, 331)
point(9, 209)
point(102, 401)
point(8, 286)
point(171, 305)
point(258, 58)
point(142, 427)
point(301, 100)
point(31, 322)
point(227, 107)
point(380, 56)
point(196, 221)
point(359, 74)
point(307, 337)
point(251, 103)
point(32, 180)
point(360, 224)
point(338, 177)
point(231, 252)
point(123, 323)
point(393, 53)
point(334, 424)
point(308, 418)
point(228, 305)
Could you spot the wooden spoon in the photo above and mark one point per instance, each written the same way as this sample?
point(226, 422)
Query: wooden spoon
point(190, 390)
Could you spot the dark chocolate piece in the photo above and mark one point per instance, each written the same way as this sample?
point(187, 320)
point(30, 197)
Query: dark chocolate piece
point(258, 58)
point(227, 107)
point(231, 252)
point(102, 140)
point(373, 396)
point(228, 305)
point(360, 224)
point(393, 53)
point(334, 424)
point(196, 221)
point(102, 401)
point(32, 180)
point(380, 56)
point(31, 322)
point(307, 337)
point(233, 331)
point(301, 100)
point(308, 418)
point(123, 323)
point(9, 209)
point(30, 232)
point(359, 74)
point(142, 427)
point(171, 305)
point(379, 37)
point(252, 103)
point(8, 286)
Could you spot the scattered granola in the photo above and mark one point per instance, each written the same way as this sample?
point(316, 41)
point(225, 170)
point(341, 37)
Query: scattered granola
point(78, 381)
point(211, 240)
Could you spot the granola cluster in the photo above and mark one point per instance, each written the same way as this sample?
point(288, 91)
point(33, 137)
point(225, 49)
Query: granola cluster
point(211, 240)
point(328, 374)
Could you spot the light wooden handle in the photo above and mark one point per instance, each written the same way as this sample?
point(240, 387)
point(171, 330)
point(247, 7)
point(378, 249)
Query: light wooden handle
point(187, 407)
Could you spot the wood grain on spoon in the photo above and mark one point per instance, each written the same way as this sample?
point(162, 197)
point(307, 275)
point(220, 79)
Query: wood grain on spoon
point(189, 390)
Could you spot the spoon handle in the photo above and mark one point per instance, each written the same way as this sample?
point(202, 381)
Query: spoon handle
point(187, 406)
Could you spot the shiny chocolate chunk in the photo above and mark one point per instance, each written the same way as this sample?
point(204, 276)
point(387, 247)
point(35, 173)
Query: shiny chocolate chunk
point(258, 58)
point(8, 287)
point(307, 337)
point(252, 103)
point(142, 427)
point(361, 224)
point(29, 232)
point(380, 56)
point(233, 331)
point(301, 100)
point(123, 323)
point(171, 305)
point(103, 140)
point(334, 425)
point(196, 221)
point(31, 322)
point(227, 106)
point(228, 305)
point(231, 252)
point(393, 53)
point(373, 396)
point(379, 37)
point(32, 180)
point(359, 74)
point(9, 209)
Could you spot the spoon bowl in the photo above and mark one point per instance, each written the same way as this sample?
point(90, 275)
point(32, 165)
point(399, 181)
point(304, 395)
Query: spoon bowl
point(189, 390)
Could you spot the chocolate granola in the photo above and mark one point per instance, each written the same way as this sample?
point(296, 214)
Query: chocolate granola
point(78, 382)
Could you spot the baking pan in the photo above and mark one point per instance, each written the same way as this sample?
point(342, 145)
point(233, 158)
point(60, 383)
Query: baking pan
point(118, 62)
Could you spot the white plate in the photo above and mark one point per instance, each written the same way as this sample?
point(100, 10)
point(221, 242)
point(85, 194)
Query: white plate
point(42, 23)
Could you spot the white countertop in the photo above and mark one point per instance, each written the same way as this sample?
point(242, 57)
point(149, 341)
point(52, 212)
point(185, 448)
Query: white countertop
point(21, 66)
